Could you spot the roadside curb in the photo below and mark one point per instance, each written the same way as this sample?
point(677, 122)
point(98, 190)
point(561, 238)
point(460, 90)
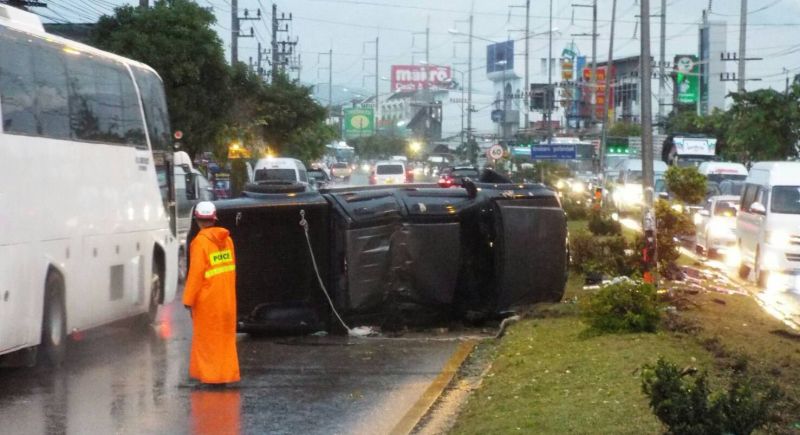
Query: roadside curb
point(420, 408)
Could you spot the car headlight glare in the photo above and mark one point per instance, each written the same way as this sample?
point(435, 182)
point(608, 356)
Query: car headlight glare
point(778, 238)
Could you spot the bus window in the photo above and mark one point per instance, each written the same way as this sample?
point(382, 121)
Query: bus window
point(155, 108)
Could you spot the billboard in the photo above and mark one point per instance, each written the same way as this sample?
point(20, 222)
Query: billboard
point(359, 122)
point(601, 92)
point(416, 77)
point(500, 57)
point(687, 79)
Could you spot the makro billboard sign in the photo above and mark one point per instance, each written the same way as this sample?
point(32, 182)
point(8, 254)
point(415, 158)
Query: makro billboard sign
point(416, 77)
point(687, 79)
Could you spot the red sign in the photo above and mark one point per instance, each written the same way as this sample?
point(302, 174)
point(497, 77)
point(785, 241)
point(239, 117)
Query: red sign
point(416, 77)
point(600, 86)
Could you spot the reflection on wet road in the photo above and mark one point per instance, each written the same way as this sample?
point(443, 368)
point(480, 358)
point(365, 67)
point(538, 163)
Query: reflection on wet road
point(118, 380)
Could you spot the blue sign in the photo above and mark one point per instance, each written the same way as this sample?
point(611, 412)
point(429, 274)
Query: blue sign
point(497, 115)
point(500, 57)
point(554, 152)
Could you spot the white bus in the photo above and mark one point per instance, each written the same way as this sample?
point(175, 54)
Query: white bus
point(87, 232)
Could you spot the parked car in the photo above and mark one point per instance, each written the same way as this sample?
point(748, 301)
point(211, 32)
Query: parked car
point(388, 172)
point(454, 176)
point(768, 223)
point(341, 172)
point(318, 178)
point(715, 224)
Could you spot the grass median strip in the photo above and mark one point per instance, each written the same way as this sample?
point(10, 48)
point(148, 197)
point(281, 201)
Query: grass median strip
point(550, 376)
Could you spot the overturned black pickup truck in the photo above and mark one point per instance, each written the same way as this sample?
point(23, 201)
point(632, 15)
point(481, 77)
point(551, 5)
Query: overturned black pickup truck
point(405, 255)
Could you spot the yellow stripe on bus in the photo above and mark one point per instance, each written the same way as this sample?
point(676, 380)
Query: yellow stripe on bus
point(220, 270)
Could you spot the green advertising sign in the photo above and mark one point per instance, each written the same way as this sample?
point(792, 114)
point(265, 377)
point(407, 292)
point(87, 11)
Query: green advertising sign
point(359, 122)
point(687, 79)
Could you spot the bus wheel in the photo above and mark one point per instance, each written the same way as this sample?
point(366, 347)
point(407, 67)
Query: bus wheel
point(53, 347)
point(148, 318)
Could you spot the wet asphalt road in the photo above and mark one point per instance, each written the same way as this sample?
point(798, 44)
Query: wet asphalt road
point(118, 380)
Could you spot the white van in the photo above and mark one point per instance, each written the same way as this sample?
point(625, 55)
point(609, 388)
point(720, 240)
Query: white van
point(392, 172)
point(280, 169)
point(628, 194)
point(718, 172)
point(768, 223)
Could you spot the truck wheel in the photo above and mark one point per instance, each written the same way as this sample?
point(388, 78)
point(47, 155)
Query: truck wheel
point(183, 266)
point(53, 346)
point(760, 275)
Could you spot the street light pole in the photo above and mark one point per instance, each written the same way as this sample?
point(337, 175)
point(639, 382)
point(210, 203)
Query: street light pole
point(473, 152)
point(526, 89)
point(549, 77)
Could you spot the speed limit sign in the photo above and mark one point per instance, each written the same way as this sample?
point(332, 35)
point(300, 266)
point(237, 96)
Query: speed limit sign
point(495, 152)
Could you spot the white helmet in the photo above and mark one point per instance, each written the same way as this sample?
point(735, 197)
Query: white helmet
point(205, 210)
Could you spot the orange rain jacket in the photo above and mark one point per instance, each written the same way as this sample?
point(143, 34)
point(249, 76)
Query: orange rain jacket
point(211, 294)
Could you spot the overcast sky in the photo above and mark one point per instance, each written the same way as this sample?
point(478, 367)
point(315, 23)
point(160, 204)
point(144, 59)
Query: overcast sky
point(345, 26)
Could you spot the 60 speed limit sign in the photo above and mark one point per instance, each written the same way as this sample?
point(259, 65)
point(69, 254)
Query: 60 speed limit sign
point(495, 152)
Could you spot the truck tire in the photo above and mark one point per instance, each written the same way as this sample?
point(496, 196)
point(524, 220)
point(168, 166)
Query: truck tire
point(53, 345)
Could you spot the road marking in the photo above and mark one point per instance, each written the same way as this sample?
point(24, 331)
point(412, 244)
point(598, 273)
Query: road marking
point(434, 390)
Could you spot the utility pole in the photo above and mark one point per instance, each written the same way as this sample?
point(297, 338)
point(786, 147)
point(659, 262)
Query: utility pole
point(258, 61)
point(279, 54)
point(235, 28)
point(647, 122)
point(593, 80)
point(526, 89)
point(742, 45)
point(661, 66)
point(473, 152)
point(606, 102)
point(234, 32)
point(550, 91)
point(144, 4)
point(377, 84)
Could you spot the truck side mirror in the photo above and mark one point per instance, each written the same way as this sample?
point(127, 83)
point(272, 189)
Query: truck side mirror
point(758, 208)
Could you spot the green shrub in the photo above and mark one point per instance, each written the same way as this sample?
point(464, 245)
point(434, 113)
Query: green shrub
point(575, 210)
point(670, 224)
point(687, 184)
point(599, 254)
point(624, 305)
point(684, 402)
point(601, 224)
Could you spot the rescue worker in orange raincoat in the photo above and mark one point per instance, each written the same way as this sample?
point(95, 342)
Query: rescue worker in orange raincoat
point(210, 296)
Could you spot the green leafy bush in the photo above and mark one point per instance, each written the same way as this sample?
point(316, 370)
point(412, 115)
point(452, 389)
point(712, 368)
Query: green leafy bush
point(575, 210)
point(670, 224)
point(601, 224)
point(623, 305)
point(599, 254)
point(684, 402)
point(687, 184)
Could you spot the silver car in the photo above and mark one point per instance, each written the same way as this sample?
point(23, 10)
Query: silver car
point(715, 224)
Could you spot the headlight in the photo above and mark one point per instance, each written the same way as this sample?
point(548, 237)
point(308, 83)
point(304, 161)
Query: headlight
point(677, 207)
point(632, 195)
point(578, 187)
point(698, 218)
point(719, 229)
point(560, 184)
point(778, 238)
point(365, 167)
point(769, 261)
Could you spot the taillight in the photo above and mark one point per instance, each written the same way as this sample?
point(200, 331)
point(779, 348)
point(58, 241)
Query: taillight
point(373, 179)
point(410, 176)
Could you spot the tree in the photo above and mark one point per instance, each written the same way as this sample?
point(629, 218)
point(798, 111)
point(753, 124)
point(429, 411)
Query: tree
point(379, 146)
point(687, 184)
point(625, 129)
point(176, 38)
point(765, 124)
